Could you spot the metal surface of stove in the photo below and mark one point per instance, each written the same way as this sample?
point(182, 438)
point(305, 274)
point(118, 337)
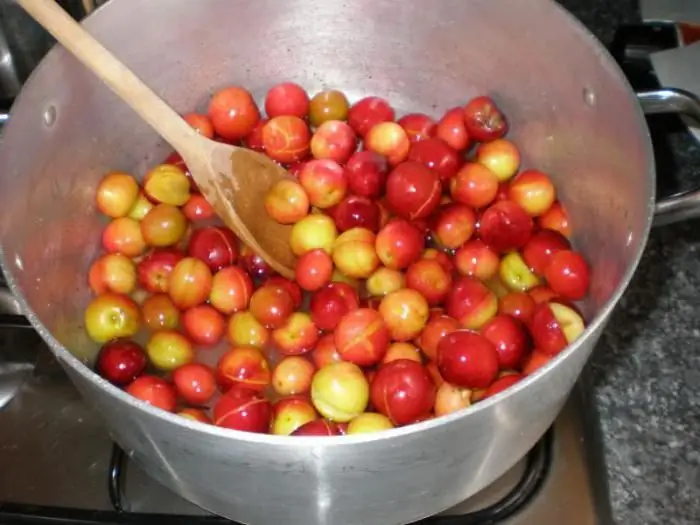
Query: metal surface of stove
point(54, 452)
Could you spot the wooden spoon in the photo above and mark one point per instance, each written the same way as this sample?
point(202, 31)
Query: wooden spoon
point(234, 180)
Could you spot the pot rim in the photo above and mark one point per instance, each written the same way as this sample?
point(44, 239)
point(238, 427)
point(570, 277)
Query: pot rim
point(597, 323)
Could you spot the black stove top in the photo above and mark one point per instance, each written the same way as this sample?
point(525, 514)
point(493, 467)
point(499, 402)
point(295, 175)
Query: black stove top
point(534, 472)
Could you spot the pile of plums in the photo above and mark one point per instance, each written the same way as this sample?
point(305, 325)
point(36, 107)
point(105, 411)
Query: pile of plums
point(434, 271)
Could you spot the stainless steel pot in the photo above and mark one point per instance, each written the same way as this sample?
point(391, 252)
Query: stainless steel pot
point(572, 113)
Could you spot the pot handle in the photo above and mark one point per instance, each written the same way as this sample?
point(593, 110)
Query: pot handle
point(19, 350)
point(685, 205)
point(632, 46)
point(10, 313)
point(16, 364)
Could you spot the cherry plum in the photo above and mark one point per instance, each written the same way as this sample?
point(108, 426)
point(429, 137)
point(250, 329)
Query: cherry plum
point(368, 422)
point(501, 157)
point(510, 339)
point(200, 123)
point(244, 329)
point(356, 212)
point(362, 337)
point(112, 316)
point(474, 185)
point(215, 245)
point(483, 119)
point(154, 391)
point(271, 305)
point(354, 253)
point(287, 98)
point(340, 391)
point(324, 181)
point(124, 235)
point(368, 112)
point(231, 290)
point(384, 281)
point(164, 225)
point(330, 304)
point(403, 391)
point(476, 259)
point(291, 413)
point(112, 272)
point(399, 244)
point(541, 247)
point(390, 140)
point(233, 113)
point(437, 327)
point(436, 155)
point(243, 366)
point(244, 410)
point(405, 313)
point(159, 312)
point(167, 184)
point(505, 226)
point(451, 398)
point(532, 191)
point(318, 427)
point(557, 219)
point(471, 303)
point(518, 305)
point(325, 351)
point(313, 270)
point(554, 326)
point(367, 172)
point(298, 335)
point(452, 130)
point(121, 361)
point(413, 191)
point(203, 324)
point(197, 208)
point(293, 375)
point(286, 139)
point(568, 275)
point(453, 225)
point(328, 105)
point(189, 283)
point(430, 279)
point(418, 126)
point(467, 359)
point(169, 349)
point(195, 383)
point(334, 140)
point(116, 194)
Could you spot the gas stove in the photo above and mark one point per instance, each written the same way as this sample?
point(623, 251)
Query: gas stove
point(59, 465)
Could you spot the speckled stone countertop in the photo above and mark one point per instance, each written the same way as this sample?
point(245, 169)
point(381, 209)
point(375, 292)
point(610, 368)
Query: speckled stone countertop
point(646, 370)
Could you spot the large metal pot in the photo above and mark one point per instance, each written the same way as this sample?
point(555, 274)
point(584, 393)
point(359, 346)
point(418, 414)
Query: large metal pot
point(572, 113)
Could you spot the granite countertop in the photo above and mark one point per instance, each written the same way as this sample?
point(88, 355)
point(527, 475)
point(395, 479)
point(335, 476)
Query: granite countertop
point(646, 369)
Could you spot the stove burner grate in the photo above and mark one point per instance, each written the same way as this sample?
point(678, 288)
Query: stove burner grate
point(534, 475)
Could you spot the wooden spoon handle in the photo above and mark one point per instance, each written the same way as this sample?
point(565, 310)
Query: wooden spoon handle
point(113, 73)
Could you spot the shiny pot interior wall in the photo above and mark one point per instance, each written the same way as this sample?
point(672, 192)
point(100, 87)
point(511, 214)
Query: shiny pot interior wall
point(571, 115)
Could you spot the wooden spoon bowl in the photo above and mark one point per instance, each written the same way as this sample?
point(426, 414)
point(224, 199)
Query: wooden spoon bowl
point(241, 180)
